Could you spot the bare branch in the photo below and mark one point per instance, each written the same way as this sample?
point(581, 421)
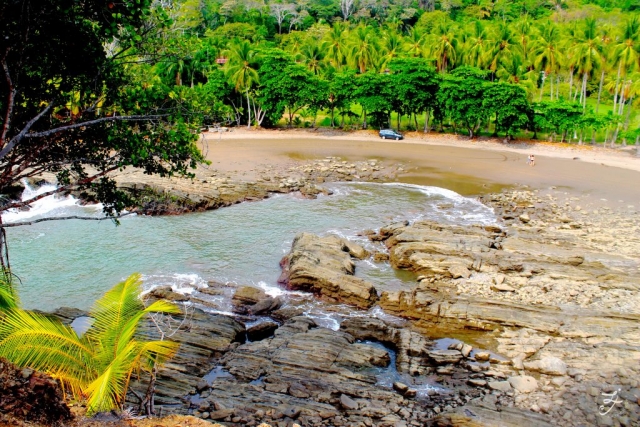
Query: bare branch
point(22, 133)
point(62, 218)
point(93, 122)
point(57, 190)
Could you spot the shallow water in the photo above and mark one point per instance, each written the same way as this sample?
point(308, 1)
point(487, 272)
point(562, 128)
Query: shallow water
point(72, 263)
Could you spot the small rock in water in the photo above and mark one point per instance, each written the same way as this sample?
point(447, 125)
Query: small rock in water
point(400, 387)
point(481, 356)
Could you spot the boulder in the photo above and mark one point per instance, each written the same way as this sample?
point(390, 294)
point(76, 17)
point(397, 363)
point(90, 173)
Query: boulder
point(503, 386)
point(320, 265)
point(266, 305)
point(165, 292)
point(348, 403)
point(261, 331)
point(248, 296)
point(549, 365)
point(523, 383)
point(459, 271)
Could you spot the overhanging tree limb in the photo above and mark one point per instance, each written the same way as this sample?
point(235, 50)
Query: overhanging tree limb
point(62, 218)
point(94, 122)
point(23, 132)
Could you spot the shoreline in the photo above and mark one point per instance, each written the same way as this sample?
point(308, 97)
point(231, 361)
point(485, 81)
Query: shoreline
point(470, 168)
point(622, 157)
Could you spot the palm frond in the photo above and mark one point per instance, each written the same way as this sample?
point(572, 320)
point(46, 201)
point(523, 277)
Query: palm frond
point(8, 296)
point(44, 344)
point(113, 312)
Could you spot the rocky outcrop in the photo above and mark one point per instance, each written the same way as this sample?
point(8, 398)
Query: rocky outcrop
point(211, 189)
point(323, 265)
point(26, 395)
point(559, 292)
point(318, 377)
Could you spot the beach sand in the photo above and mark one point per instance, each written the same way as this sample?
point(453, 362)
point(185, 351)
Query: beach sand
point(607, 176)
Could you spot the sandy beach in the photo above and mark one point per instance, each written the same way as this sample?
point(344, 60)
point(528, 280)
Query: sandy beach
point(468, 167)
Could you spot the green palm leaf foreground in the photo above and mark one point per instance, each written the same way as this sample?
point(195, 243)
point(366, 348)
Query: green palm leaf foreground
point(98, 365)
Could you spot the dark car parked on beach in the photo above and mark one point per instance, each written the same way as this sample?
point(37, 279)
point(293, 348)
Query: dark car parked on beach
point(390, 134)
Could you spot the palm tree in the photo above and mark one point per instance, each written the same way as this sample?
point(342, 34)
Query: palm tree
point(588, 56)
point(363, 48)
point(625, 53)
point(99, 364)
point(335, 45)
point(393, 46)
point(477, 47)
point(241, 69)
point(415, 43)
point(313, 56)
point(443, 47)
point(505, 44)
point(546, 54)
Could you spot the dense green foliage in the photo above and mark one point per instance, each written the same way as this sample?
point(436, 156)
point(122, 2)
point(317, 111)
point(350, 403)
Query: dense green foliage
point(96, 366)
point(78, 98)
point(380, 59)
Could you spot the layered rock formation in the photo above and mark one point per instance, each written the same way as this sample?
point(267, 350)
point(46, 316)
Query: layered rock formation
point(323, 265)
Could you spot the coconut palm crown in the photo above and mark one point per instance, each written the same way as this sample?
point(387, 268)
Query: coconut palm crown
point(98, 365)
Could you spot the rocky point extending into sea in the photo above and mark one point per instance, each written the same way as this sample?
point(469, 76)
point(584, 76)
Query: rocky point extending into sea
point(540, 314)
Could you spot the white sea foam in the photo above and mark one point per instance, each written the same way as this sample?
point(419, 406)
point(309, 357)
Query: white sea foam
point(50, 206)
point(182, 283)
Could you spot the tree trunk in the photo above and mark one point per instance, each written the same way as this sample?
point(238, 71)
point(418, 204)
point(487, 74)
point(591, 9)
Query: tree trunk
point(332, 112)
point(600, 90)
point(557, 86)
point(248, 110)
point(551, 89)
point(615, 89)
point(638, 146)
point(583, 96)
point(570, 82)
point(544, 77)
point(364, 120)
point(426, 121)
point(398, 120)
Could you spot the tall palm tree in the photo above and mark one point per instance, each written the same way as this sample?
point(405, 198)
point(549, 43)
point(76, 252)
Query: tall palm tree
point(415, 43)
point(313, 56)
point(393, 46)
point(625, 53)
point(363, 49)
point(335, 45)
point(589, 56)
point(443, 47)
point(505, 44)
point(477, 46)
point(242, 69)
point(546, 53)
point(97, 365)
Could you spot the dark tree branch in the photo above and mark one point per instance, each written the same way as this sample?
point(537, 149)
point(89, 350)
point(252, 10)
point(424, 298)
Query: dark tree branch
point(57, 190)
point(61, 218)
point(23, 132)
point(93, 122)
